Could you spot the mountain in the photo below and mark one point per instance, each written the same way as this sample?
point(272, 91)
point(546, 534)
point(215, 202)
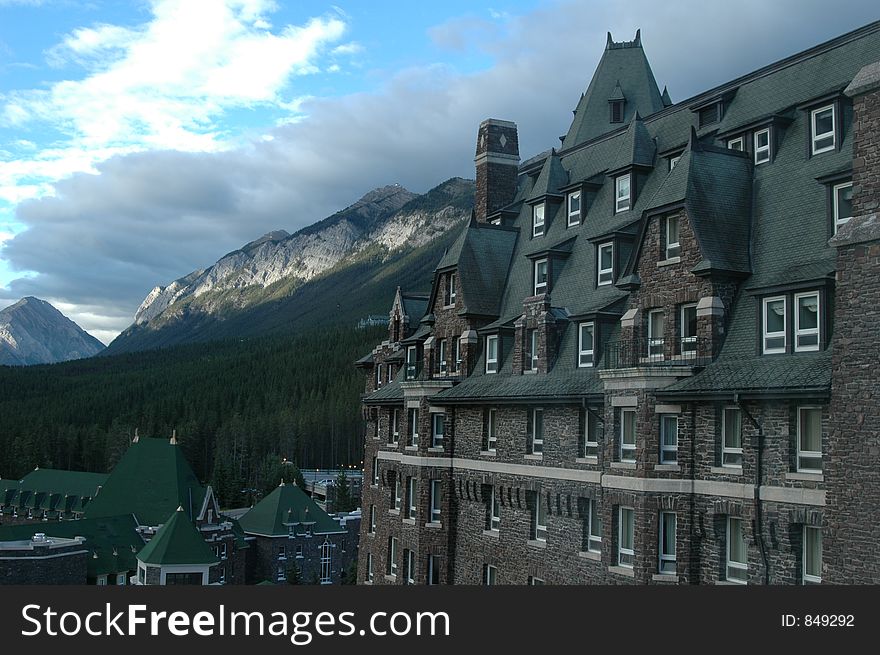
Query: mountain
point(337, 270)
point(33, 332)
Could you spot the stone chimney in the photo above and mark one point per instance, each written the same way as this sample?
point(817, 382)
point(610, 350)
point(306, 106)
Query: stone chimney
point(497, 162)
point(852, 468)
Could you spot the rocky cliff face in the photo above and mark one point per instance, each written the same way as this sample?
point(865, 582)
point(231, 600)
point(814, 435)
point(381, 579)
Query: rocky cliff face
point(33, 332)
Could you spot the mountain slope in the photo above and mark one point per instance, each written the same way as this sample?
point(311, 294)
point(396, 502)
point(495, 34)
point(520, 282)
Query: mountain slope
point(33, 332)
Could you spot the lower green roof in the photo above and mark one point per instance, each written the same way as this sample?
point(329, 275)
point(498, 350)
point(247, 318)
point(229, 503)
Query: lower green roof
point(178, 541)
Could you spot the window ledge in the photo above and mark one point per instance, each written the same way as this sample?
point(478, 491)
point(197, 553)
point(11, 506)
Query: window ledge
point(368, 582)
point(589, 554)
point(391, 578)
point(452, 306)
point(537, 543)
point(488, 453)
point(491, 533)
point(394, 512)
point(726, 470)
point(669, 468)
point(805, 477)
point(622, 570)
point(393, 444)
point(435, 449)
point(413, 448)
point(529, 371)
point(409, 521)
point(587, 460)
point(730, 583)
point(534, 456)
point(434, 526)
point(629, 466)
point(374, 486)
point(665, 577)
point(669, 262)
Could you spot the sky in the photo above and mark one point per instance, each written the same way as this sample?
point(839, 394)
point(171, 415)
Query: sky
point(142, 140)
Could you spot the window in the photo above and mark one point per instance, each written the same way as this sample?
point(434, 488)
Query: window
point(441, 356)
point(121, 579)
point(299, 550)
point(280, 574)
point(541, 276)
point(625, 534)
point(673, 249)
point(673, 161)
point(491, 435)
point(282, 552)
point(492, 353)
point(594, 527)
point(375, 471)
point(535, 582)
point(710, 114)
point(806, 321)
point(413, 427)
point(812, 554)
point(688, 328)
point(389, 370)
point(762, 146)
point(433, 570)
point(822, 129)
point(532, 354)
point(809, 439)
point(394, 434)
point(494, 522)
point(409, 566)
point(535, 431)
point(372, 519)
point(668, 438)
point(627, 435)
point(370, 567)
point(412, 366)
point(450, 290)
point(737, 559)
point(574, 208)
point(737, 144)
point(411, 497)
point(398, 499)
point(439, 422)
point(436, 497)
point(667, 543)
point(774, 325)
point(142, 575)
point(456, 355)
point(841, 201)
point(622, 193)
point(489, 574)
point(585, 344)
point(538, 220)
point(378, 375)
point(616, 107)
point(539, 519)
point(392, 556)
point(731, 437)
point(656, 325)
point(326, 562)
point(606, 264)
point(590, 433)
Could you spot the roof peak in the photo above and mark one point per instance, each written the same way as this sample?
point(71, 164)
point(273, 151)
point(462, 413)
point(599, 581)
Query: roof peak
point(611, 44)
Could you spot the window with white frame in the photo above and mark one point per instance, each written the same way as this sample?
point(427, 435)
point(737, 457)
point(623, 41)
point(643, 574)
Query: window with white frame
point(378, 375)
point(574, 208)
point(436, 499)
point(538, 220)
point(812, 554)
point(762, 146)
point(372, 519)
point(809, 439)
point(841, 201)
point(392, 556)
point(326, 562)
point(541, 276)
point(589, 427)
point(731, 437)
point(398, 498)
point(413, 426)
point(451, 290)
point(433, 570)
point(806, 321)
point(491, 434)
point(494, 522)
point(673, 161)
point(737, 144)
point(627, 435)
point(688, 321)
point(605, 262)
point(539, 519)
point(121, 579)
point(673, 248)
point(412, 365)
point(622, 193)
point(822, 133)
point(441, 356)
point(594, 527)
point(492, 353)
point(532, 354)
point(667, 543)
point(737, 556)
point(375, 471)
point(438, 423)
point(535, 582)
point(535, 430)
point(389, 369)
point(370, 567)
point(626, 519)
point(299, 551)
point(774, 325)
point(409, 566)
point(586, 345)
point(394, 433)
point(489, 574)
point(412, 498)
point(668, 438)
point(656, 328)
point(456, 355)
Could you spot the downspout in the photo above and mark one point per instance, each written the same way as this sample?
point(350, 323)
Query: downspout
point(759, 512)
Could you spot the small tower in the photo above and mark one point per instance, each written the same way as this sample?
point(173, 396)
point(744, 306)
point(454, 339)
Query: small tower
point(497, 162)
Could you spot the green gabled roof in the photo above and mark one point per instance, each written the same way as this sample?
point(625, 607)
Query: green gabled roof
point(556, 386)
point(387, 393)
point(151, 481)
point(551, 178)
point(414, 305)
point(74, 483)
point(177, 542)
point(287, 504)
point(637, 148)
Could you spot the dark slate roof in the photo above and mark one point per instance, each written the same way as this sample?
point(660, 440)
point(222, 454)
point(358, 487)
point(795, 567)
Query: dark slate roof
point(389, 393)
point(366, 360)
point(151, 481)
point(286, 505)
point(551, 178)
point(414, 305)
point(515, 388)
point(177, 542)
point(636, 147)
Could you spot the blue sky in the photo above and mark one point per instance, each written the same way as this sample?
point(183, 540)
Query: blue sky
point(142, 140)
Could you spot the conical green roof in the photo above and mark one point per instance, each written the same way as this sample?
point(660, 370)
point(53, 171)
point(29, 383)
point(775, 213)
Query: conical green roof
point(177, 542)
point(287, 504)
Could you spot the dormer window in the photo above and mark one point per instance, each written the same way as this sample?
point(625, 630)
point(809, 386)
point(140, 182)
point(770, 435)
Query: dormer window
point(841, 201)
point(532, 360)
point(739, 143)
point(492, 353)
point(538, 220)
point(673, 249)
point(822, 133)
point(806, 321)
point(673, 161)
point(574, 208)
point(586, 345)
point(616, 111)
point(622, 193)
point(774, 325)
point(449, 291)
point(412, 368)
point(605, 259)
point(762, 146)
point(441, 356)
point(710, 114)
point(541, 276)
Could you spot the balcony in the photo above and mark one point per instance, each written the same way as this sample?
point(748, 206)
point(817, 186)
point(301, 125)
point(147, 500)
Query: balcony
point(654, 353)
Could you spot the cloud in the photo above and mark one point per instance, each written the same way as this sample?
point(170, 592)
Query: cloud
point(145, 218)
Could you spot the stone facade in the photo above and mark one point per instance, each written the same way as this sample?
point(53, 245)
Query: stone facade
point(43, 562)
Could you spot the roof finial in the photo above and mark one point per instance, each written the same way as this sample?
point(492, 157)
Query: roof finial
point(638, 40)
point(180, 508)
point(609, 41)
point(173, 441)
point(282, 482)
point(136, 436)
